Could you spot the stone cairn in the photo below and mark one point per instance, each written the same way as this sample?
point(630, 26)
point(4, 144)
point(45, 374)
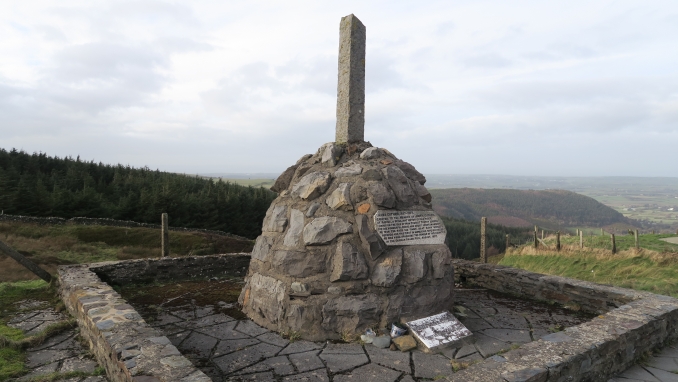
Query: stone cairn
point(352, 241)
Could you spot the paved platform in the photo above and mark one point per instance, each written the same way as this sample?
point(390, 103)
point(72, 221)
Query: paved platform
point(228, 349)
point(661, 367)
point(61, 353)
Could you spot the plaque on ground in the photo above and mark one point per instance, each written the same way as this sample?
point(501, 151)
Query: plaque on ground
point(409, 227)
point(439, 331)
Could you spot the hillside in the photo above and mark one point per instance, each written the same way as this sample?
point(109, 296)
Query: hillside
point(548, 208)
point(40, 185)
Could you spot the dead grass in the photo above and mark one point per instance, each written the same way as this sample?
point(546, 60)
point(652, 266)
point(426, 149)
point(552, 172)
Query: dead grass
point(51, 246)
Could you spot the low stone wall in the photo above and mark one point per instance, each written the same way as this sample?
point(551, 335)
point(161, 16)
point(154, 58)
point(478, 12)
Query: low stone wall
point(631, 324)
point(123, 343)
point(173, 268)
point(108, 223)
point(590, 297)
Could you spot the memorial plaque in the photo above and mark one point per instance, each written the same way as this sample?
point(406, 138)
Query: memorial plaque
point(409, 227)
point(439, 331)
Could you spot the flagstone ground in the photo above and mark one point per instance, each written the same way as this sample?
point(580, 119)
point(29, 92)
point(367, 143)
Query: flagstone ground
point(230, 349)
point(62, 353)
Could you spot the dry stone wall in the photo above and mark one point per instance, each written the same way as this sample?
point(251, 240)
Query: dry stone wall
point(105, 222)
point(320, 267)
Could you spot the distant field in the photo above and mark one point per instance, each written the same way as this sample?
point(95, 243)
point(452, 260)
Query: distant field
point(50, 246)
point(640, 198)
point(645, 207)
point(265, 183)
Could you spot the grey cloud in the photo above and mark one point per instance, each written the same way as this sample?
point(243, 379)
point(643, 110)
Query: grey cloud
point(562, 51)
point(104, 62)
point(537, 93)
point(445, 28)
point(51, 33)
point(170, 45)
point(486, 60)
point(317, 74)
point(244, 89)
point(380, 73)
point(154, 10)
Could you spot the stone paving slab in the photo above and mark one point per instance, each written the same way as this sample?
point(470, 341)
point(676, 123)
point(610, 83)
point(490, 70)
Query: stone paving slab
point(661, 367)
point(227, 349)
point(61, 353)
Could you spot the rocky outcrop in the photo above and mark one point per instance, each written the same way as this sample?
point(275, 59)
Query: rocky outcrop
point(320, 267)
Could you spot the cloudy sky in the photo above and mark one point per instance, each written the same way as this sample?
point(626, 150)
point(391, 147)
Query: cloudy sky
point(468, 87)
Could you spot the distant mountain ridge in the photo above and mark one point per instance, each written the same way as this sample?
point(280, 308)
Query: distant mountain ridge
point(516, 208)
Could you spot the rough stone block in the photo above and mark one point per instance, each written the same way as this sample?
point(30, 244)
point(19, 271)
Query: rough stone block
point(294, 231)
point(276, 219)
point(400, 186)
point(312, 185)
point(298, 263)
point(370, 240)
point(381, 195)
point(348, 263)
point(414, 265)
point(351, 314)
point(405, 343)
point(387, 269)
point(324, 229)
point(351, 169)
point(340, 198)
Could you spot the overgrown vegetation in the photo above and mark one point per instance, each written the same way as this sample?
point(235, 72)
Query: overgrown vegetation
point(548, 208)
point(39, 185)
point(12, 357)
point(50, 246)
point(646, 270)
point(463, 238)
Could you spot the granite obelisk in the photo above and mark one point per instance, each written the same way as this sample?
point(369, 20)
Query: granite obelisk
point(351, 87)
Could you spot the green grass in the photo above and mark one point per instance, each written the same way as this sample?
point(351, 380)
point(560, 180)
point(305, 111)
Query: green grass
point(647, 271)
point(11, 363)
point(11, 358)
point(624, 242)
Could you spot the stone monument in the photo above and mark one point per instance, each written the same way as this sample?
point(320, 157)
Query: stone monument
point(351, 242)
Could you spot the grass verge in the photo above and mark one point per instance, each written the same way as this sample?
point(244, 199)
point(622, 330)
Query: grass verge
point(645, 270)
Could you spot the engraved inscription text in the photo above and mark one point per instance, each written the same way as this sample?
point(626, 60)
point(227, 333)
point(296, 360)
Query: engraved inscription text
point(409, 227)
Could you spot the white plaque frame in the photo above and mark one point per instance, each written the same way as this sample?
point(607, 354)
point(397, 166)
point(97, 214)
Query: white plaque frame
point(409, 227)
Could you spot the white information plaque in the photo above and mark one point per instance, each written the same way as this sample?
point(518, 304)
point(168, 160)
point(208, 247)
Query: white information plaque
point(409, 227)
point(439, 331)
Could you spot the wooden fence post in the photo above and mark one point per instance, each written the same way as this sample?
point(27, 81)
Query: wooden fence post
point(602, 232)
point(21, 259)
point(635, 237)
point(165, 235)
point(558, 241)
point(614, 244)
point(508, 243)
point(536, 243)
point(483, 238)
point(581, 239)
point(542, 234)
